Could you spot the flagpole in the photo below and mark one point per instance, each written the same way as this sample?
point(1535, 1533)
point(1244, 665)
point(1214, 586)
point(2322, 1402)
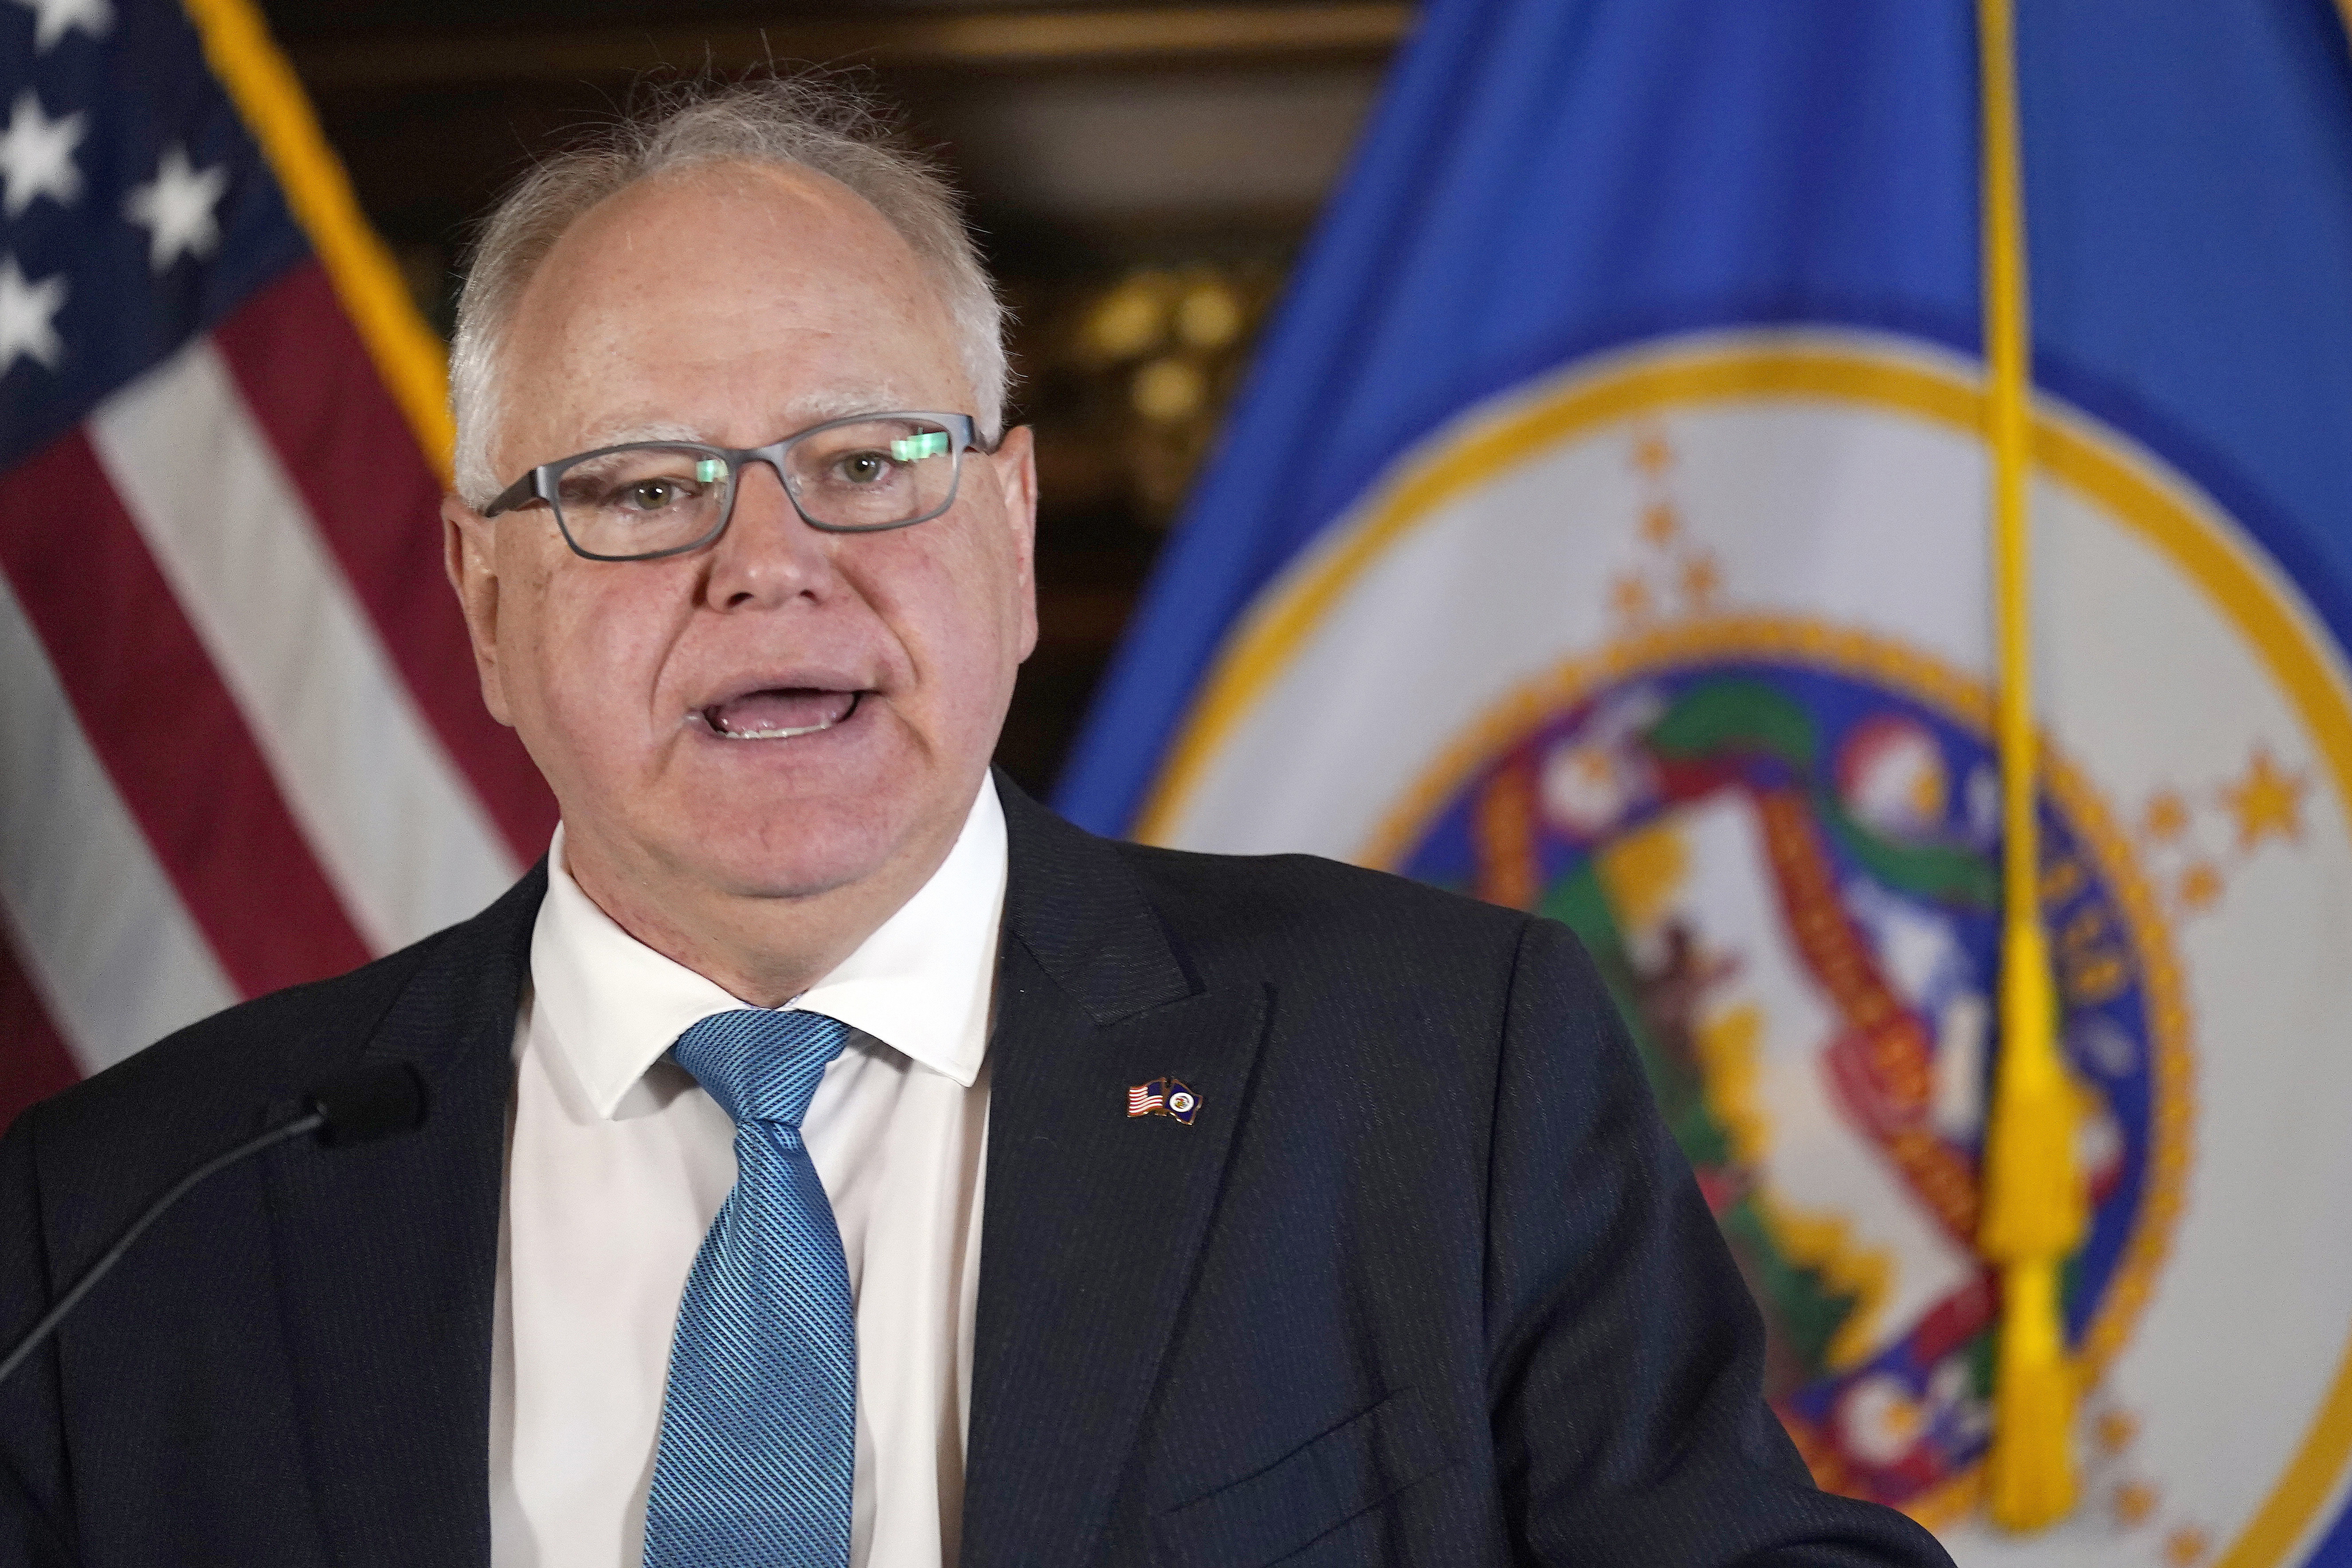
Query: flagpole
point(2033, 1214)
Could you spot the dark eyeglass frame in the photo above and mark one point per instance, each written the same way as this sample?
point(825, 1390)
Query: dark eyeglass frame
point(539, 484)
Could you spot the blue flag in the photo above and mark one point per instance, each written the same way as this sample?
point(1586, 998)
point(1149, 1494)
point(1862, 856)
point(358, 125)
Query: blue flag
point(1604, 531)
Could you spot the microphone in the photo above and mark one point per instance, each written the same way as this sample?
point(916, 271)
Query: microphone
point(358, 1107)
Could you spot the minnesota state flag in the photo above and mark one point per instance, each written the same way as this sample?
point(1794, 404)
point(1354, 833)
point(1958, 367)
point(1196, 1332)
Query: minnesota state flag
point(1605, 531)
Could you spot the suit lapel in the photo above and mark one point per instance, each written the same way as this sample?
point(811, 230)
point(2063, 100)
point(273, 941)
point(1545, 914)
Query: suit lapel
point(387, 1261)
point(1092, 1218)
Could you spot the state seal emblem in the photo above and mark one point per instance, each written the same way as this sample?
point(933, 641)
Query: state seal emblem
point(1779, 845)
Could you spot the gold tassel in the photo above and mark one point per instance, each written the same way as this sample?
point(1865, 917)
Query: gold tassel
point(2033, 1217)
point(2030, 1474)
point(2033, 1206)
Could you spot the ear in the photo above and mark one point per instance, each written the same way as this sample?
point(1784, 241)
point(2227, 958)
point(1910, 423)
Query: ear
point(1014, 463)
point(469, 554)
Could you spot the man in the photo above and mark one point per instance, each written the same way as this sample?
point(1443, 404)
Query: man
point(834, 1158)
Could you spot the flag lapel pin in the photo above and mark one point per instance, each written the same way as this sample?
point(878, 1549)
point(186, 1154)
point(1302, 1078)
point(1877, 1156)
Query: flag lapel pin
point(1163, 1097)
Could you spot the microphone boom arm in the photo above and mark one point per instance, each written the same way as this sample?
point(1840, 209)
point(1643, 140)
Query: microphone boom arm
point(358, 1110)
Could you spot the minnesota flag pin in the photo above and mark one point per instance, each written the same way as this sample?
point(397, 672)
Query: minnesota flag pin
point(1163, 1097)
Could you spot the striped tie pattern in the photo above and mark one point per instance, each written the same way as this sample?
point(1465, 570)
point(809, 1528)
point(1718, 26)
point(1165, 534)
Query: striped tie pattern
point(758, 1425)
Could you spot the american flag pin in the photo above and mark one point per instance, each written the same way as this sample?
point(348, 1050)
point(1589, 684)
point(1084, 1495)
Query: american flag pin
point(1163, 1097)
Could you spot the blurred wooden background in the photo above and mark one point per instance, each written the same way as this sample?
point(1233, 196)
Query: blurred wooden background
point(1142, 175)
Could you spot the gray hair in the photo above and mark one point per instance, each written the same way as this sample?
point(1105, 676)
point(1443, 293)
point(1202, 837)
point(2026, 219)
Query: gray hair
point(808, 121)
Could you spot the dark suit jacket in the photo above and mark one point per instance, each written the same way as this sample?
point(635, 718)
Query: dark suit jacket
point(1424, 1282)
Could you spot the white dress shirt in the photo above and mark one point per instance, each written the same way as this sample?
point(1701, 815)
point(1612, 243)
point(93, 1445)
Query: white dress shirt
point(616, 1163)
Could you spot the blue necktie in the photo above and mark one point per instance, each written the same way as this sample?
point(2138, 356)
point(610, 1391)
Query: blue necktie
point(760, 1424)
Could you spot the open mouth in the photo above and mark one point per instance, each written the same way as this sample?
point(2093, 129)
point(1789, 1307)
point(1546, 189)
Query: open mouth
point(781, 713)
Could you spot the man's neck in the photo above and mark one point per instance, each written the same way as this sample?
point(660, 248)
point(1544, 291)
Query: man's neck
point(762, 950)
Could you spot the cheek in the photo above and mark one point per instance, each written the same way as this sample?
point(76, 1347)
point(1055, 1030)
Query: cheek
point(596, 652)
point(959, 612)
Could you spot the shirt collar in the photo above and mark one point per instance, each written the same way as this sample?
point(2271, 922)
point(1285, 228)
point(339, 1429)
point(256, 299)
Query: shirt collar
point(921, 984)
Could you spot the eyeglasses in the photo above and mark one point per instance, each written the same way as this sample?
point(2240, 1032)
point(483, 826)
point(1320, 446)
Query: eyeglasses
point(644, 499)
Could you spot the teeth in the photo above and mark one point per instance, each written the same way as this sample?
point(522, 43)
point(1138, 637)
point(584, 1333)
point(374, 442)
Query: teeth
point(711, 721)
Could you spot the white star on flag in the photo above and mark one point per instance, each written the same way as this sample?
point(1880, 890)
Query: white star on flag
point(55, 18)
point(36, 156)
point(27, 313)
point(178, 207)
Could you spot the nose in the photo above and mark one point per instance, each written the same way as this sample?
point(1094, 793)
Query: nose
point(768, 554)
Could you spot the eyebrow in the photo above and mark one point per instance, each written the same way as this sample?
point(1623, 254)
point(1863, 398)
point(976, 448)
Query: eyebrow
point(833, 402)
point(664, 431)
point(836, 403)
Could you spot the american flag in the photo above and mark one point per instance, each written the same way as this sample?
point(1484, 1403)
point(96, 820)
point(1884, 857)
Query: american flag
point(1163, 1097)
point(241, 741)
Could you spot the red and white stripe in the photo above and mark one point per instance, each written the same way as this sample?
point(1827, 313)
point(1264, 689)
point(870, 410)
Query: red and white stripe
point(1143, 1099)
point(241, 741)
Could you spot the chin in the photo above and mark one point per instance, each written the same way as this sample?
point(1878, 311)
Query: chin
point(797, 847)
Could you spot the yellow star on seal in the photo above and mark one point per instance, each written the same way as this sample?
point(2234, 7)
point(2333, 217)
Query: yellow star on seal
point(2268, 801)
point(2167, 816)
point(1701, 578)
point(1630, 597)
point(1652, 455)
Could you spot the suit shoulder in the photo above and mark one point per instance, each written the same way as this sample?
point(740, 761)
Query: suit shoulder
point(241, 1056)
point(1264, 897)
point(277, 1046)
point(1312, 885)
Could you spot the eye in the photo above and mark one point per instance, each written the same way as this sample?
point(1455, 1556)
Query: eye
point(864, 468)
point(652, 495)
